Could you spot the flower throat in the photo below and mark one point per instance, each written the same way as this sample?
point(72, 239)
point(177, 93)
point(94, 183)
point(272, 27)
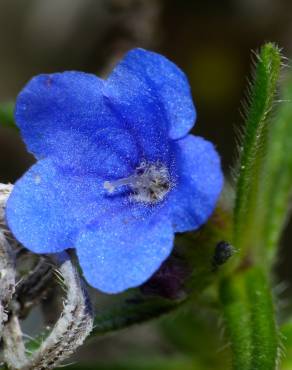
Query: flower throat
point(149, 183)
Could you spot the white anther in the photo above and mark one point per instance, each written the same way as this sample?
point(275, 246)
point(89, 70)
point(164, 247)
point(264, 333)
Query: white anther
point(149, 184)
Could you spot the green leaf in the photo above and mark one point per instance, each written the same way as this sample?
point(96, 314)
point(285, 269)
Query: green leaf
point(7, 115)
point(277, 187)
point(123, 313)
point(131, 311)
point(249, 316)
point(253, 147)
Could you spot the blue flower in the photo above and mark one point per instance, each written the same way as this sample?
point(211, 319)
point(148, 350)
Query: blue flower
point(117, 173)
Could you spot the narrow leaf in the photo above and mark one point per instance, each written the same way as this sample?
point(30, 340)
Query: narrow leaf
point(277, 188)
point(253, 146)
point(129, 313)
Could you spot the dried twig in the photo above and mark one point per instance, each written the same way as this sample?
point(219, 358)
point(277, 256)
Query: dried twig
point(73, 326)
point(7, 266)
point(14, 349)
point(7, 279)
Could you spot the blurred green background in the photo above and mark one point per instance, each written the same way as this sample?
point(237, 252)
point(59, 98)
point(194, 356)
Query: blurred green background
point(210, 40)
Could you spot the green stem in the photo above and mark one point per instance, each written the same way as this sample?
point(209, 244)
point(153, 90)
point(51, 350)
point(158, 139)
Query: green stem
point(236, 320)
point(265, 336)
point(250, 320)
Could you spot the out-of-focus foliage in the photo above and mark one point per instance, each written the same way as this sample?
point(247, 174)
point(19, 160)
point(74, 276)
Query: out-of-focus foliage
point(6, 115)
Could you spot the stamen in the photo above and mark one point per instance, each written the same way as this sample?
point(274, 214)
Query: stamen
point(150, 183)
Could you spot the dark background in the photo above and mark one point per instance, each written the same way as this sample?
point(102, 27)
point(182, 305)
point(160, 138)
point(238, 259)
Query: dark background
point(210, 40)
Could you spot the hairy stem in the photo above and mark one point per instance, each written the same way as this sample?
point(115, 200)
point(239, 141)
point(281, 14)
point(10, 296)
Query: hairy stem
point(73, 326)
point(249, 316)
point(14, 349)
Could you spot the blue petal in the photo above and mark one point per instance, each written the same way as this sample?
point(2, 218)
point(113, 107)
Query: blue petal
point(69, 116)
point(117, 255)
point(110, 152)
point(199, 183)
point(62, 112)
point(147, 82)
point(48, 206)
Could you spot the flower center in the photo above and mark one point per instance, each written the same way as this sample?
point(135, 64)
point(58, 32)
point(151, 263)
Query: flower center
point(149, 183)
